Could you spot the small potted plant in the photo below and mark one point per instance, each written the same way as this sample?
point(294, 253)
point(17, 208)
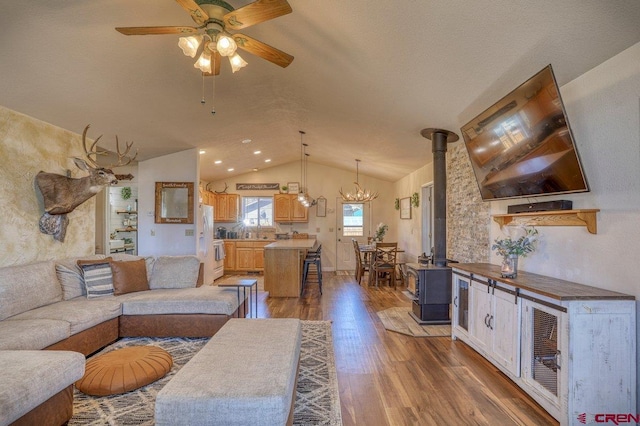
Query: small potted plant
point(381, 229)
point(284, 189)
point(511, 248)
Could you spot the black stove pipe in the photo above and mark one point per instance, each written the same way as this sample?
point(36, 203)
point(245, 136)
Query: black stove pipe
point(440, 138)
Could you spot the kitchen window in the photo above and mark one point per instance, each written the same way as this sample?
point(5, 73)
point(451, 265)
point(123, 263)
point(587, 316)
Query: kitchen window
point(257, 211)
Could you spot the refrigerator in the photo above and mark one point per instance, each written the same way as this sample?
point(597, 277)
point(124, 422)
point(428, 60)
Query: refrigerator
point(206, 252)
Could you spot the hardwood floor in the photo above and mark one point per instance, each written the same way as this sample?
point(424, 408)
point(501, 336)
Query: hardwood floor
point(387, 378)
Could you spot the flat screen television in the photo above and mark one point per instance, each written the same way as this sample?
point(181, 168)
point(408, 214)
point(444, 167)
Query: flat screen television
point(522, 146)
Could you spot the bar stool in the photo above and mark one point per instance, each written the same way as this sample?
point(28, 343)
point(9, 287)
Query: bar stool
point(313, 258)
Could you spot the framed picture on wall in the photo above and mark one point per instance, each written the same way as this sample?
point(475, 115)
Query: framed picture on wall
point(294, 187)
point(405, 208)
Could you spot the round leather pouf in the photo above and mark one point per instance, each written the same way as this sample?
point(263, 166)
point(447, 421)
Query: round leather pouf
point(124, 370)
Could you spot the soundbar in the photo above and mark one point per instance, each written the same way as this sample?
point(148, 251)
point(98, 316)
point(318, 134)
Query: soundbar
point(541, 207)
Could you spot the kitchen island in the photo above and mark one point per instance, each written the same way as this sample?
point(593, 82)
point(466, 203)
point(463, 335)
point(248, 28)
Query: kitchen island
point(283, 261)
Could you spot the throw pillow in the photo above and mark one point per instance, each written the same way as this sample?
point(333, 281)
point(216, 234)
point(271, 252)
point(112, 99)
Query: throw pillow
point(98, 280)
point(70, 274)
point(129, 276)
point(175, 272)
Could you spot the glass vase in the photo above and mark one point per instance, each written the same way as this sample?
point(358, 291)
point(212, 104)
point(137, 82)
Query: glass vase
point(509, 268)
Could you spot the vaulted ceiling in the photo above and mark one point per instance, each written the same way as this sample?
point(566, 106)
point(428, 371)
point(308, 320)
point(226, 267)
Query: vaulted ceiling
point(366, 78)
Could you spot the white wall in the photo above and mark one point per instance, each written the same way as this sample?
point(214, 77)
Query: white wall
point(325, 181)
point(169, 239)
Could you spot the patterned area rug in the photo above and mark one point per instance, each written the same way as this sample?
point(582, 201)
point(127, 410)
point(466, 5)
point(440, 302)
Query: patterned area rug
point(317, 396)
point(399, 320)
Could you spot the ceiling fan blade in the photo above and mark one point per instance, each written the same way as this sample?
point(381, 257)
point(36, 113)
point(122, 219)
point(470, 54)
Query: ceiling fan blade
point(156, 30)
point(196, 12)
point(215, 64)
point(263, 50)
point(256, 12)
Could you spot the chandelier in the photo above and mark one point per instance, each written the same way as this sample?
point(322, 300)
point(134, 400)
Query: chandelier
point(358, 195)
point(303, 196)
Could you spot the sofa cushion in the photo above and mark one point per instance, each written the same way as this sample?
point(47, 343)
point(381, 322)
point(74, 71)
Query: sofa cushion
point(34, 377)
point(81, 313)
point(70, 275)
point(174, 272)
point(200, 300)
point(98, 279)
point(129, 276)
point(32, 334)
point(26, 287)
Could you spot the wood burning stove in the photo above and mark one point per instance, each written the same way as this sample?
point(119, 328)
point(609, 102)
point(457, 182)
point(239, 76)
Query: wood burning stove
point(432, 294)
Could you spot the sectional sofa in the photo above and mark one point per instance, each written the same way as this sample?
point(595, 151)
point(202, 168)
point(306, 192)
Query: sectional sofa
point(67, 308)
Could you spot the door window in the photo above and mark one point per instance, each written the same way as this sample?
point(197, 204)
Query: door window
point(353, 219)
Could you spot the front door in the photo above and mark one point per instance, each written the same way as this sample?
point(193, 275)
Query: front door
point(352, 222)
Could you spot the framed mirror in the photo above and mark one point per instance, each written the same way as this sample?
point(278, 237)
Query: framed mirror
point(174, 202)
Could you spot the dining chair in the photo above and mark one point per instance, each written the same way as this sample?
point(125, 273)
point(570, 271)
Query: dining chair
point(383, 263)
point(362, 264)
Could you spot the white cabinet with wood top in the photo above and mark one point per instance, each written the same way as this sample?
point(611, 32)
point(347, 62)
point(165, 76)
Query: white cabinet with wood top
point(571, 347)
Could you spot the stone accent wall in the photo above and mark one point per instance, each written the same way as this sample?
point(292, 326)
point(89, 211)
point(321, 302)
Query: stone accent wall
point(468, 218)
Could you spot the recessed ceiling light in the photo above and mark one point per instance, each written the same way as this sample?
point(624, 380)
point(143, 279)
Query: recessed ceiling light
point(230, 169)
point(268, 160)
point(255, 170)
point(217, 162)
point(246, 141)
point(257, 152)
point(202, 151)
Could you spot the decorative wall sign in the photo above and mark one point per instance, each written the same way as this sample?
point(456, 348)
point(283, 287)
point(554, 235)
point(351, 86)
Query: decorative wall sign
point(257, 186)
point(294, 187)
point(174, 202)
point(405, 208)
point(321, 207)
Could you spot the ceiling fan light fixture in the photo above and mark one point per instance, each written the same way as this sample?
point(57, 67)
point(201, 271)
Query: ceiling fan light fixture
point(226, 46)
point(189, 45)
point(204, 62)
point(237, 62)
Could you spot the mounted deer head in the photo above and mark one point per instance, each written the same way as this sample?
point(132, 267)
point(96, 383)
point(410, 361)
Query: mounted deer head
point(63, 194)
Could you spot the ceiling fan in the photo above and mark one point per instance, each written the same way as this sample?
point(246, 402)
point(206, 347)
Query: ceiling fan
point(215, 18)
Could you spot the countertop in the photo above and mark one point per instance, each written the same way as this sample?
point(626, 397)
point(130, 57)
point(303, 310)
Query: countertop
point(292, 244)
point(270, 240)
point(547, 286)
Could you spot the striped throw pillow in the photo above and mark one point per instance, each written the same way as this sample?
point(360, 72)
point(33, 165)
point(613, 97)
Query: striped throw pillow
point(98, 279)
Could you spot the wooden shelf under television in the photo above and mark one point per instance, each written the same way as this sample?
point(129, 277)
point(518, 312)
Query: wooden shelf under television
point(581, 217)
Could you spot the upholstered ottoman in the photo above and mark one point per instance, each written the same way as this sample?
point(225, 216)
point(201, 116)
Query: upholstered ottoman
point(124, 370)
point(245, 375)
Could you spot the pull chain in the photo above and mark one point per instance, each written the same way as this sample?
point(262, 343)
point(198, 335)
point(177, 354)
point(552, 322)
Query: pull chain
point(213, 86)
point(202, 101)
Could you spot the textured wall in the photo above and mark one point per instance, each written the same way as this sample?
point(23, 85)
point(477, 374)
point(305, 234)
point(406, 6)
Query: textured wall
point(27, 146)
point(468, 216)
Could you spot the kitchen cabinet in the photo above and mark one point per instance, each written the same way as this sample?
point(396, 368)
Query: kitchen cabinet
point(226, 207)
point(229, 255)
point(571, 347)
point(287, 208)
point(249, 255)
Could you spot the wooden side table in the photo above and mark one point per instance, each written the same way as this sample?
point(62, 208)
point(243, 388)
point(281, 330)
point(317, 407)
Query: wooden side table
point(244, 284)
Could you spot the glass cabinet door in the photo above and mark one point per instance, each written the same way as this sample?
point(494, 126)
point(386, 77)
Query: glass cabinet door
point(461, 302)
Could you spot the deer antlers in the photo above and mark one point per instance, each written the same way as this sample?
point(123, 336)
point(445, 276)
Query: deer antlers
point(122, 156)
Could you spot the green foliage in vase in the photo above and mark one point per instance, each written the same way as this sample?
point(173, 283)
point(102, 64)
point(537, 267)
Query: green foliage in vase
point(397, 203)
point(520, 246)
